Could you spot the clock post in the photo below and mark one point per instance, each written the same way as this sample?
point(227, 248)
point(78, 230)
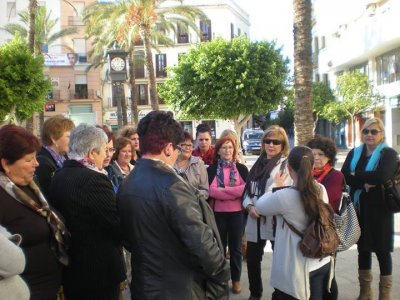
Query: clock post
point(116, 59)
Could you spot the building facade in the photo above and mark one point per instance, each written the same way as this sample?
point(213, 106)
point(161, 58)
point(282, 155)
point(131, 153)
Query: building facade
point(76, 91)
point(365, 38)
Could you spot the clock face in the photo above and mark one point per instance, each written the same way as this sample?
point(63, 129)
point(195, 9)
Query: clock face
point(117, 64)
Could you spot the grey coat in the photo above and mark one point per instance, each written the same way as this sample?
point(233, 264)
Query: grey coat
point(12, 263)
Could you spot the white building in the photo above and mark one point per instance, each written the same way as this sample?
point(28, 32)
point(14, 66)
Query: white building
point(226, 20)
point(362, 35)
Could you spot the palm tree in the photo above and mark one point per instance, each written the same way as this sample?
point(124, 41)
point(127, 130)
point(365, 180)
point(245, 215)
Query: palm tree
point(303, 117)
point(138, 19)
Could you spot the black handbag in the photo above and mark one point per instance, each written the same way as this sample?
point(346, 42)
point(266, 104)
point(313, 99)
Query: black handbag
point(391, 192)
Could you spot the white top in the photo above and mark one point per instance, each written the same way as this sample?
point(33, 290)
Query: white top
point(290, 269)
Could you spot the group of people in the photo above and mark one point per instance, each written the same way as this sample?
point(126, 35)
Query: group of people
point(74, 204)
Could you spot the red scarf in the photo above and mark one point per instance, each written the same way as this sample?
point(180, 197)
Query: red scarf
point(206, 157)
point(319, 174)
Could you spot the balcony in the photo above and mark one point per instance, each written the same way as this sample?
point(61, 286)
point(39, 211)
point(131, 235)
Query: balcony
point(75, 21)
point(82, 94)
point(54, 95)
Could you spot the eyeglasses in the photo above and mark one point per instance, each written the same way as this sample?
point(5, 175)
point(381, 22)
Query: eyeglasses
point(179, 148)
point(226, 148)
point(372, 131)
point(274, 142)
point(110, 150)
point(187, 146)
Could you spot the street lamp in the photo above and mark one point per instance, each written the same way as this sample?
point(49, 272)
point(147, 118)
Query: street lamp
point(117, 71)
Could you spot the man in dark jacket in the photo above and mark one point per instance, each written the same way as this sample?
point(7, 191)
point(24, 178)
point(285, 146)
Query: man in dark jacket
point(175, 254)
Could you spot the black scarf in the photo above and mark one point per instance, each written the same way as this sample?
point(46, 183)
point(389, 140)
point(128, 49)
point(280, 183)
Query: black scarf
point(259, 174)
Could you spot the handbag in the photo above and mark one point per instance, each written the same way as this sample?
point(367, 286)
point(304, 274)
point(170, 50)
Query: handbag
point(346, 221)
point(391, 192)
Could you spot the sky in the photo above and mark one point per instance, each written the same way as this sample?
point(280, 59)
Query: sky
point(271, 20)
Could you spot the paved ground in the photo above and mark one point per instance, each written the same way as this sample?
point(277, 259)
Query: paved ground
point(346, 266)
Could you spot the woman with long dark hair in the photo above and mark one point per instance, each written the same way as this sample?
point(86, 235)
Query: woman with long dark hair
point(293, 275)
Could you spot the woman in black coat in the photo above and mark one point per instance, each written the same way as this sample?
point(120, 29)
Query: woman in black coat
point(82, 192)
point(366, 168)
point(55, 137)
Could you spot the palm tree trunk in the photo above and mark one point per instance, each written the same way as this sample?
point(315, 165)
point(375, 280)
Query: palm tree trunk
point(132, 83)
point(31, 25)
point(303, 118)
point(145, 35)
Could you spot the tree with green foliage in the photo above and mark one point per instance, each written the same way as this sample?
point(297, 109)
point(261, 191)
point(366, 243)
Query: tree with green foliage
point(23, 86)
point(322, 95)
point(356, 95)
point(227, 80)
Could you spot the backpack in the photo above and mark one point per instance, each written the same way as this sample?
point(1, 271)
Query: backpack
point(320, 238)
point(391, 191)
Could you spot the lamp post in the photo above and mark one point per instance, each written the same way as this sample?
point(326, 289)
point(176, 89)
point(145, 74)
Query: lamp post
point(117, 71)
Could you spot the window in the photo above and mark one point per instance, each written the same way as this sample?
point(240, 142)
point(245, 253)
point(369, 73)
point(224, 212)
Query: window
point(323, 42)
point(205, 31)
point(183, 36)
point(81, 88)
point(388, 67)
point(239, 32)
point(139, 65)
point(317, 77)
point(161, 37)
point(325, 78)
point(161, 64)
point(232, 31)
point(142, 94)
point(11, 10)
point(80, 50)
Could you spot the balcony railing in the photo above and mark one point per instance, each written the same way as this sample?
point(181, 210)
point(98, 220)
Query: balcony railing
point(75, 21)
point(54, 95)
point(84, 94)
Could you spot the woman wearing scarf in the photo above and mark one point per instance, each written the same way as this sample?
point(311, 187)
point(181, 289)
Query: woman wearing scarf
point(82, 192)
point(25, 211)
point(227, 179)
point(55, 137)
point(268, 171)
point(366, 168)
point(324, 151)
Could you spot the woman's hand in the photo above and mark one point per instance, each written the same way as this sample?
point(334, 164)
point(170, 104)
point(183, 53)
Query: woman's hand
point(253, 212)
point(368, 186)
point(280, 179)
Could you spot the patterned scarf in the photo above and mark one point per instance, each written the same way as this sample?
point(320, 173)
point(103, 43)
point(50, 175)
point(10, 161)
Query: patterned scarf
point(88, 163)
point(220, 172)
point(206, 157)
point(58, 158)
point(320, 174)
point(60, 234)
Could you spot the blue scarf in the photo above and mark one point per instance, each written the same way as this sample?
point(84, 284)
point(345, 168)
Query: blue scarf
point(371, 165)
point(220, 172)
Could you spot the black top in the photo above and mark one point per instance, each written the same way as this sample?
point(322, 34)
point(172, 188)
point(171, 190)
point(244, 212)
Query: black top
point(45, 171)
point(42, 271)
point(212, 171)
point(377, 224)
point(87, 201)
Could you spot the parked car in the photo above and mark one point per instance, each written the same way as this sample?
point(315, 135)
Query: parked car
point(251, 141)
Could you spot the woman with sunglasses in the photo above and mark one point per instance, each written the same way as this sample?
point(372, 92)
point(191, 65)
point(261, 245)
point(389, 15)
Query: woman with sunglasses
point(366, 168)
point(268, 171)
point(192, 168)
point(227, 179)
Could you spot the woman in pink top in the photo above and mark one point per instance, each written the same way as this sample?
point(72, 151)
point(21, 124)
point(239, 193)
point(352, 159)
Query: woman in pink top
point(227, 179)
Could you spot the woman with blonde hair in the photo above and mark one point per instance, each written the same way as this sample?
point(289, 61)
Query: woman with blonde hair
point(366, 168)
point(132, 134)
point(269, 171)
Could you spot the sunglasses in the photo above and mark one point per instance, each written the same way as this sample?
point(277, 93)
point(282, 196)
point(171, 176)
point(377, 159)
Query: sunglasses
point(372, 131)
point(274, 142)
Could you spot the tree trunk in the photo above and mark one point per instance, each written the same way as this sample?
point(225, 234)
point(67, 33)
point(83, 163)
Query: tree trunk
point(132, 83)
point(303, 118)
point(145, 35)
point(31, 25)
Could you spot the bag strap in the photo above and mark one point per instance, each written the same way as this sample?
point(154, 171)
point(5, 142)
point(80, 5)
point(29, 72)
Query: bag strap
point(293, 228)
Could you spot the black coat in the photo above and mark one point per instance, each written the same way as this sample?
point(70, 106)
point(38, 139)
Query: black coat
point(212, 171)
point(45, 171)
point(174, 252)
point(86, 199)
point(377, 224)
